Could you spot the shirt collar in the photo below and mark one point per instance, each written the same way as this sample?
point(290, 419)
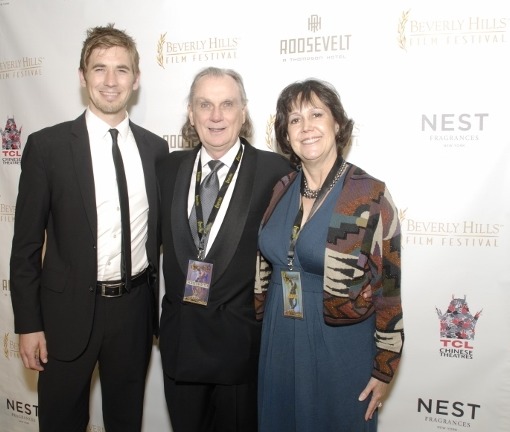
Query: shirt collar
point(99, 128)
point(227, 158)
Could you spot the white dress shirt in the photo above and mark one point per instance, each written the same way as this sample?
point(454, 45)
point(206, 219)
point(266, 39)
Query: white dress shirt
point(107, 198)
point(228, 160)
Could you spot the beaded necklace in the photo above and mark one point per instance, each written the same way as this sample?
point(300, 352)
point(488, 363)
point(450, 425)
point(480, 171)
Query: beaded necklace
point(314, 193)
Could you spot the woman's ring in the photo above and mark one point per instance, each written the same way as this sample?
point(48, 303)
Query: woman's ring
point(380, 405)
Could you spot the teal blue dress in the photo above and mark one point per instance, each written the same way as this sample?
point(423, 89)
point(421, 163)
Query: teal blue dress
point(310, 374)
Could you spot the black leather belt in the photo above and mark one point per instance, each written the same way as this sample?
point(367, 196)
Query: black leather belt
point(117, 288)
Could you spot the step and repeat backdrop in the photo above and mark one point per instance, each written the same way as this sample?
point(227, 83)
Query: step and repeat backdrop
point(427, 84)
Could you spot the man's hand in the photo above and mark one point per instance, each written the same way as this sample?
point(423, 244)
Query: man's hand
point(32, 347)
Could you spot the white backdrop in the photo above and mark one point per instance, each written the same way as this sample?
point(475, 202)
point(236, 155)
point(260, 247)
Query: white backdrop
point(427, 85)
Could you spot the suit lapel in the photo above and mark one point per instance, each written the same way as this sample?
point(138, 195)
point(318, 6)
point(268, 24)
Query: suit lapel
point(150, 187)
point(147, 164)
point(82, 160)
point(184, 245)
point(229, 235)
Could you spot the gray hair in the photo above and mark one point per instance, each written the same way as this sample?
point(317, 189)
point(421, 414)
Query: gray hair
point(189, 134)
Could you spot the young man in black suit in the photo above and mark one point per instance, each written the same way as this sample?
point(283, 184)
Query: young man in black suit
point(209, 338)
point(83, 284)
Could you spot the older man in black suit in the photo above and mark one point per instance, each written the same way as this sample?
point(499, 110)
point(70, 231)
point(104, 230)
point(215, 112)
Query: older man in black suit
point(209, 336)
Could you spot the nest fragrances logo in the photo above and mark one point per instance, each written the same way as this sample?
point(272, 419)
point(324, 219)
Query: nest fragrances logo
point(417, 32)
point(454, 129)
point(209, 49)
point(25, 412)
point(11, 142)
point(457, 329)
point(25, 67)
point(449, 415)
point(321, 45)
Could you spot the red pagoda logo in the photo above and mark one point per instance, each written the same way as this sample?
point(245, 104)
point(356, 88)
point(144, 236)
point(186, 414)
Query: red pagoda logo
point(11, 142)
point(11, 136)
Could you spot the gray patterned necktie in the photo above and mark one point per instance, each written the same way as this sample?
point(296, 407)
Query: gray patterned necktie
point(208, 194)
point(209, 189)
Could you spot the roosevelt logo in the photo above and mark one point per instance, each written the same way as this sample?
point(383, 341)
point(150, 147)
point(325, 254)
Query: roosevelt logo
point(322, 45)
point(11, 142)
point(457, 329)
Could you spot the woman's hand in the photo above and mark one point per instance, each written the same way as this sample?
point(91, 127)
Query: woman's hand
point(378, 390)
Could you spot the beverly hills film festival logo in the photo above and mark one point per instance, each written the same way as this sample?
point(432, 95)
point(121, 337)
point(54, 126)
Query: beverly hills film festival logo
point(416, 32)
point(457, 329)
point(449, 233)
point(11, 142)
point(11, 346)
point(209, 49)
point(21, 68)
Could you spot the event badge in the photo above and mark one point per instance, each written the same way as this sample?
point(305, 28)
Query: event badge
point(292, 294)
point(198, 282)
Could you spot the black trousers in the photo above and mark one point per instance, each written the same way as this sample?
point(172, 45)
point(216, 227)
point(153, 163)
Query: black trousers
point(121, 344)
point(195, 407)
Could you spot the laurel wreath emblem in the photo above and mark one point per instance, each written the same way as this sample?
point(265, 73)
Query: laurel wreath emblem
point(269, 132)
point(6, 345)
point(402, 215)
point(402, 40)
point(161, 43)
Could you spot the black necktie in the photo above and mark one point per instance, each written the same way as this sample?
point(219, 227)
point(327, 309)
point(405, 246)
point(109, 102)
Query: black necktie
point(208, 194)
point(125, 266)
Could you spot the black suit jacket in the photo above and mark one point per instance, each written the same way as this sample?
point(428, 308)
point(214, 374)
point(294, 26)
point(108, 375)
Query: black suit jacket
point(218, 343)
point(56, 200)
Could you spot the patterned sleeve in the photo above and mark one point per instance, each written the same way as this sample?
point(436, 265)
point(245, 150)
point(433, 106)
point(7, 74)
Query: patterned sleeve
point(386, 269)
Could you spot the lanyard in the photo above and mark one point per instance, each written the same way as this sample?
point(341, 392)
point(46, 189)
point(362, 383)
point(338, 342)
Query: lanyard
point(202, 228)
point(333, 175)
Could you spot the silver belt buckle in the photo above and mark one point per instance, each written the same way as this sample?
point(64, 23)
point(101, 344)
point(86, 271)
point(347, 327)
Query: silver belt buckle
point(105, 286)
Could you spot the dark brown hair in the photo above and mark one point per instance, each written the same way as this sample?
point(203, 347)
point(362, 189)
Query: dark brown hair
point(307, 92)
